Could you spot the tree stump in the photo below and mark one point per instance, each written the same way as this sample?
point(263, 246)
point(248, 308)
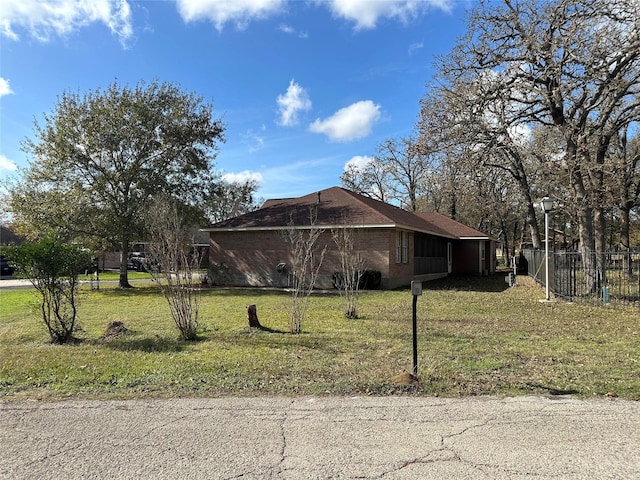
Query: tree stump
point(252, 312)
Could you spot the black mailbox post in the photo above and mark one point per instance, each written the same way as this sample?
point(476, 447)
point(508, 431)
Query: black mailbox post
point(416, 291)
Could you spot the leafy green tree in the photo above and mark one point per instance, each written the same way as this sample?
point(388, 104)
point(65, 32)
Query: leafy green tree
point(53, 268)
point(99, 158)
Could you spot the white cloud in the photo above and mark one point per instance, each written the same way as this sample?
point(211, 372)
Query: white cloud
point(366, 13)
point(44, 19)
point(359, 162)
point(415, 46)
point(219, 12)
point(243, 177)
point(292, 31)
point(5, 89)
point(6, 164)
point(295, 100)
point(349, 123)
point(254, 140)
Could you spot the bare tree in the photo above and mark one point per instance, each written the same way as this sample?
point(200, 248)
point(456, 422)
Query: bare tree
point(573, 65)
point(352, 265)
point(409, 169)
point(399, 171)
point(482, 133)
point(624, 178)
point(173, 263)
point(306, 259)
point(371, 179)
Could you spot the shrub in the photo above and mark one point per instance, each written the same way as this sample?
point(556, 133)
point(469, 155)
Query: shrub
point(53, 268)
point(370, 280)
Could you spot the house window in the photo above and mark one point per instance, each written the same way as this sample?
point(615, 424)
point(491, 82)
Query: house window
point(402, 247)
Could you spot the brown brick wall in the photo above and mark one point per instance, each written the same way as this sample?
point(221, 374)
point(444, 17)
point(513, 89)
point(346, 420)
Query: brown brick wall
point(247, 258)
point(466, 257)
point(251, 258)
point(401, 274)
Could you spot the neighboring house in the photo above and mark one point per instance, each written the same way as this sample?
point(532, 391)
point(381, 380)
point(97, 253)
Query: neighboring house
point(7, 237)
point(249, 250)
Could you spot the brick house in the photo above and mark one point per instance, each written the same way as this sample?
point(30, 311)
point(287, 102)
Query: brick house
point(249, 250)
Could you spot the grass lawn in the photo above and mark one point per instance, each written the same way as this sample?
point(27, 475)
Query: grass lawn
point(476, 337)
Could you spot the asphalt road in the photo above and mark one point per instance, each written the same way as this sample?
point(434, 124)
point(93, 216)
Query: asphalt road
point(321, 438)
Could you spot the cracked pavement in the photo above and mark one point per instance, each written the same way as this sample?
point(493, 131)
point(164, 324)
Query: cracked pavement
point(321, 437)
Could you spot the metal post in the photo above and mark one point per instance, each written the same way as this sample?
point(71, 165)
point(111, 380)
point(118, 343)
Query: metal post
point(547, 205)
point(415, 334)
point(546, 251)
point(416, 290)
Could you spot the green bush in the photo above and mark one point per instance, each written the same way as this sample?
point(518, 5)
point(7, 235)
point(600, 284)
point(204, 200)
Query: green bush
point(53, 268)
point(370, 280)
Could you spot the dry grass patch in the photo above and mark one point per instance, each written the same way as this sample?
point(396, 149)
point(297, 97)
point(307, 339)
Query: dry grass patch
point(476, 337)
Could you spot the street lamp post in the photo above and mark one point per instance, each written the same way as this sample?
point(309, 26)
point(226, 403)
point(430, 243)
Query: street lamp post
point(547, 206)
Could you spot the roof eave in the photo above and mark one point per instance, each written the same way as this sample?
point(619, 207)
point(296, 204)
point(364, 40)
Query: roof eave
point(325, 227)
point(477, 238)
point(294, 227)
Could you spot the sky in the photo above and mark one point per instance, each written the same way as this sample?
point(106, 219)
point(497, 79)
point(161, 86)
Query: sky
point(303, 87)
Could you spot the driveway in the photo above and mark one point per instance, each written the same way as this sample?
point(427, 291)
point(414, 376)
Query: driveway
point(11, 283)
point(321, 438)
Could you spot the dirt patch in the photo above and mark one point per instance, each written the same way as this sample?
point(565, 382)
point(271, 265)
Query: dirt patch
point(406, 380)
point(115, 329)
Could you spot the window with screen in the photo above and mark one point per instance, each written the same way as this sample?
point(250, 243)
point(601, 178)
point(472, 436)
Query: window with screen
point(402, 247)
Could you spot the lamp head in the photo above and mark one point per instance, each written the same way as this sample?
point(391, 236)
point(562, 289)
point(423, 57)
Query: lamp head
point(547, 204)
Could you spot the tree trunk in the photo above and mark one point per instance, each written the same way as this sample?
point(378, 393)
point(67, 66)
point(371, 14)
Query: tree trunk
point(585, 215)
point(506, 251)
point(516, 226)
point(453, 213)
point(252, 312)
point(531, 221)
point(625, 242)
point(600, 226)
point(587, 247)
point(124, 274)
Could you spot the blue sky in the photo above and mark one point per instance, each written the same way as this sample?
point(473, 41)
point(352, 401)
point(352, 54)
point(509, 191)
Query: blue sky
point(303, 87)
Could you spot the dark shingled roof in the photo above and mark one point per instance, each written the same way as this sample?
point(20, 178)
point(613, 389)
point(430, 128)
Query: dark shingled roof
point(451, 226)
point(337, 206)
